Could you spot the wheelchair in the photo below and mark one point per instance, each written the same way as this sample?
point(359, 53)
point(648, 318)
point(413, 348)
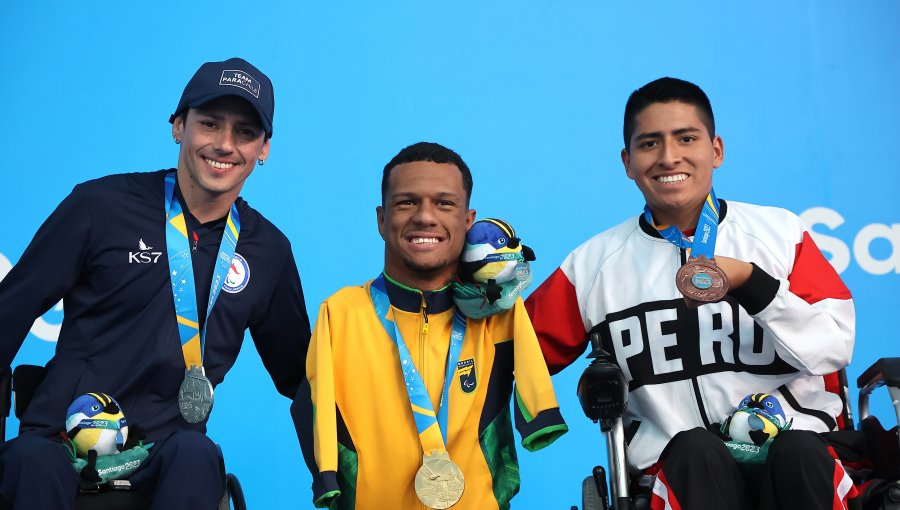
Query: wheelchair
point(16, 391)
point(603, 394)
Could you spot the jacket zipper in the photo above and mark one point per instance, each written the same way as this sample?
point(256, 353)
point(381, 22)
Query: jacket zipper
point(423, 338)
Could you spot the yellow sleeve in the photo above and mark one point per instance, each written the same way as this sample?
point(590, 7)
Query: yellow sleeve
point(320, 372)
point(537, 414)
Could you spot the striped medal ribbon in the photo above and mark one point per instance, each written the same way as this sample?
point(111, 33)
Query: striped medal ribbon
point(439, 482)
point(195, 396)
point(700, 280)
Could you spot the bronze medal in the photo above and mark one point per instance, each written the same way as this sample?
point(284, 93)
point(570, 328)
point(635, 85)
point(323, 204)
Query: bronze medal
point(439, 482)
point(701, 281)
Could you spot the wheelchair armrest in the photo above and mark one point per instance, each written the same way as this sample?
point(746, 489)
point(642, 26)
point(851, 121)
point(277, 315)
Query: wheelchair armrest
point(884, 372)
point(5, 391)
point(26, 379)
point(5, 400)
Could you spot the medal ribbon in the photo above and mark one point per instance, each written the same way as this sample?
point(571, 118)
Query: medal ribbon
point(181, 271)
point(704, 242)
point(431, 426)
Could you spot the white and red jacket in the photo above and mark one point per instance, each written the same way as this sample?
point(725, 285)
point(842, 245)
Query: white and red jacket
point(782, 332)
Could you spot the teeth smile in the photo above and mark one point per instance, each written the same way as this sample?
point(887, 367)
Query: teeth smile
point(424, 240)
point(219, 165)
point(668, 179)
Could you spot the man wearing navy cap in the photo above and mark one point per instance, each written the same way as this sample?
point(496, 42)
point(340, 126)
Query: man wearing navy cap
point(156, 308)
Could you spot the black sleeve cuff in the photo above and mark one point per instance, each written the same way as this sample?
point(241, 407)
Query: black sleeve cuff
point(759, 290)
point(544, 429)
point(325, 489)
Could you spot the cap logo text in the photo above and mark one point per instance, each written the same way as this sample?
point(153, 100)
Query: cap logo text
point(237, 78)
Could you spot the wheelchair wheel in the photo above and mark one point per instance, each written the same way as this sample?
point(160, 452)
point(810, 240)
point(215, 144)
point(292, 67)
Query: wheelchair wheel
point(234, 492)
point(590, 498)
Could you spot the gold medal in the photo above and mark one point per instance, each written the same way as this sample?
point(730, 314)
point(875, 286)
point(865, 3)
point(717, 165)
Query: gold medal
point(439, 482)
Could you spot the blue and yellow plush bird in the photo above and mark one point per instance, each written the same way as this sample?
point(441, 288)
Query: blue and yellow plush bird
point(493, 270)
point(95, 422)
point(492, 255)
point(758, 418)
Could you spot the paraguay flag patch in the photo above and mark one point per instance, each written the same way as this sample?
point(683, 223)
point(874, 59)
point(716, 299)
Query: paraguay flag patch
point(465, 370)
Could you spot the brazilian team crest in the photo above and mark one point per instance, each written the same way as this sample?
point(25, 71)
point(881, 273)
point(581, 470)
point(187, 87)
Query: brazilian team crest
point(465, 370)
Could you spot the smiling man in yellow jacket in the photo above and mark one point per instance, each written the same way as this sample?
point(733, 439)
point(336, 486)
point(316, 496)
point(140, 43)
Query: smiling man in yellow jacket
point(410, 399)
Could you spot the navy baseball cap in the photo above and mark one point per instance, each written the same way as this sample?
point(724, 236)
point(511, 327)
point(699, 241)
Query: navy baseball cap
point(233, 77)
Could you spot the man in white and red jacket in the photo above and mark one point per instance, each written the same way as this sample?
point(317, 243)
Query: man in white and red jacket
point(786, 322)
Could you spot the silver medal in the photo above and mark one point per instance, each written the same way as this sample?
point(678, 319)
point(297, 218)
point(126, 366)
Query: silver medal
point(195, 396)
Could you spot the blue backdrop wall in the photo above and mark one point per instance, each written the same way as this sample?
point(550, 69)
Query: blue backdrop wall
point(529, 93)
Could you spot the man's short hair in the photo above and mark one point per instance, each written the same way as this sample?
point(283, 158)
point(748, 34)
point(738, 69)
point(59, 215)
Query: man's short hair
point(428, 151)
point(667, 90)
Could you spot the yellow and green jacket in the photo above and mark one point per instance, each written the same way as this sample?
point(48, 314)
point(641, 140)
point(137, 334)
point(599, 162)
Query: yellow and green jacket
point(364, 450)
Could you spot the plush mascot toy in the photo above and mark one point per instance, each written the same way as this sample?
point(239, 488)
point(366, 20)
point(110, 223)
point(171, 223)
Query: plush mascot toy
point(96, 422)
point(494, 269)
point(758, 418)
point(491, 254)
point(96, 431)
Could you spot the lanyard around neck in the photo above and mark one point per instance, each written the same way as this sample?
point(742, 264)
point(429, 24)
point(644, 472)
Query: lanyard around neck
point(431, 426)
point(704, 242)
point(181, 271)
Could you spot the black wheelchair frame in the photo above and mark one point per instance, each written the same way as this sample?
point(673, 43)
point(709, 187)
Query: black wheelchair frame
point(603, 394)
point(16, 391)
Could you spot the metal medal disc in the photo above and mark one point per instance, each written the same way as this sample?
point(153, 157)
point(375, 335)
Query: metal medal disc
point(439, 482)
point(701, 281)
point(195, 396)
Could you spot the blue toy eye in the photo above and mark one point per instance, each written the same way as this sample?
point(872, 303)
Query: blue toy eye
point(502, 240)
point(95, 407)
point(770, 405)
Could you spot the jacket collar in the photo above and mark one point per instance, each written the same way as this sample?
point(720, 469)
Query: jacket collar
point(651, 231)
point(409, 299)
point(150, 184)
